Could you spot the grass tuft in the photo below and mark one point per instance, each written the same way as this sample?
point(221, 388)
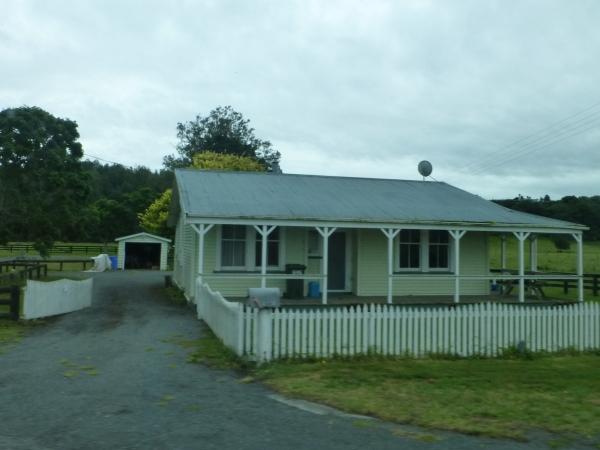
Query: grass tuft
point(210, 351)
point(175, 296)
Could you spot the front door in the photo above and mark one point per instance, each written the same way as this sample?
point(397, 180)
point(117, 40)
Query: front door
point(337, 262)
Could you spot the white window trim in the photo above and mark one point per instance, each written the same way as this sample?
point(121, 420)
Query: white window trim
point(424, 260)
point(450, 254)
point(219, 265)
point(281, 249)
point(397, 255)
point(251, 237)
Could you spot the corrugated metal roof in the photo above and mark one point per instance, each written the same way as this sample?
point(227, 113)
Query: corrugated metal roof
point(252, 195)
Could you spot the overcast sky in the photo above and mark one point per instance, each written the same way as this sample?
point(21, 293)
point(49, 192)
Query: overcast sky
point(357, 88)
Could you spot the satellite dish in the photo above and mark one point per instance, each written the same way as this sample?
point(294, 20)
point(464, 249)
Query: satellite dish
point(425, 168)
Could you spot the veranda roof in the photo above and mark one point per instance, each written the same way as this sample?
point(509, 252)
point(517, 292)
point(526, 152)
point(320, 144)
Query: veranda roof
point(313, 198)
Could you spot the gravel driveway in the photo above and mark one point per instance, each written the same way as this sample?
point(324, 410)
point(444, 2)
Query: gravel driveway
point(110, 377)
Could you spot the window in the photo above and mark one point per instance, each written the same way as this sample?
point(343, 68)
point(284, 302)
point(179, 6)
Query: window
point(240, 248)
point(272, 249)
point(233, 246)
point(438, 249)
point(314, 243)
point(410, 249)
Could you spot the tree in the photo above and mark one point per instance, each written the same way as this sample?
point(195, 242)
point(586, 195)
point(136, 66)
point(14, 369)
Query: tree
point(224, 161)
point(154, 218)
point(224, 130)
point(583, 210)
point(43, 188)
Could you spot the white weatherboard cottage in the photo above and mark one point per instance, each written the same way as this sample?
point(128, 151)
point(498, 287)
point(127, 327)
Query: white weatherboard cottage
point(142, 251)
point(363, 237)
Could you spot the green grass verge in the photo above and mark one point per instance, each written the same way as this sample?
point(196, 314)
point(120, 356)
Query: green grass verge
point(500, 398)
point(210, 351)
point(175, 295)
point(549, 258)
point(10, 333)
point(494, 397)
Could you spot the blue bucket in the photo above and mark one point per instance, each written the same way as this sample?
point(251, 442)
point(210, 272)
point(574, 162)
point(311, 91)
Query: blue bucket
point(314, 289)
point(113, 262)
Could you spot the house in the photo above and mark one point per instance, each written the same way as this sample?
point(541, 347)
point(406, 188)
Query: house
point(362, 236)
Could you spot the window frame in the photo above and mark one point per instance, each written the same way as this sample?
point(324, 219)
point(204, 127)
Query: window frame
point(424, 266)
point(398, 246)
point(258, 240)
point(220, 249)
point(448, 267)
point(251, 239)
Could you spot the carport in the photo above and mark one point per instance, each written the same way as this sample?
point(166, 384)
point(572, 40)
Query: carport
point(142, 251)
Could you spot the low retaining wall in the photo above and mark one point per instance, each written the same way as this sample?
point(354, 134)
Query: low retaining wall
point(43, 299)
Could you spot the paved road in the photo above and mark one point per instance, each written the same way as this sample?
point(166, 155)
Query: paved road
point(110, 377)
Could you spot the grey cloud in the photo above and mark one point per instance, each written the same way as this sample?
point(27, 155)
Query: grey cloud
point(339, 87)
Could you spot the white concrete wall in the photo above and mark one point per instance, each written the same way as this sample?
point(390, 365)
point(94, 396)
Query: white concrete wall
point(43, 299)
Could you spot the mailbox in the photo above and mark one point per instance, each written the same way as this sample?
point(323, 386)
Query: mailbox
point(264, 297)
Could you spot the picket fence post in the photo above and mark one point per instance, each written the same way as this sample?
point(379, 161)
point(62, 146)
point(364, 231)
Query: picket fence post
point(264, 340)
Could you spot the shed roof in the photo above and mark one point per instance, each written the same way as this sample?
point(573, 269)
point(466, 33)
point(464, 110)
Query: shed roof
point(256, 195)
point(143, 234)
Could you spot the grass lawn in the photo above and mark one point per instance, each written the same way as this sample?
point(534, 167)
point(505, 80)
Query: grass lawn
point(550, 260)
point(501, 398)
point(10, 333)
point(495, 397)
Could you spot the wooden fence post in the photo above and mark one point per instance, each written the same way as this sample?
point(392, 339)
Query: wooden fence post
point(595, 285)
point(15, 292)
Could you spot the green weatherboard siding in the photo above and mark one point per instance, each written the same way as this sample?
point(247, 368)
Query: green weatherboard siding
point(368, 268)
point(372, 267)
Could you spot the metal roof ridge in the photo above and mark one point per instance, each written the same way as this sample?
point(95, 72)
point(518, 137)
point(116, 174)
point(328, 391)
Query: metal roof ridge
point(237, 172)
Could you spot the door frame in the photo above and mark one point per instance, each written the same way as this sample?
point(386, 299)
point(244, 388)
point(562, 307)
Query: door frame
point(348, 265)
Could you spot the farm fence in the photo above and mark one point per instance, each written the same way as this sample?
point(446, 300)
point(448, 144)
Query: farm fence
point(467, 330)
point(10, 301)
point(61, 249)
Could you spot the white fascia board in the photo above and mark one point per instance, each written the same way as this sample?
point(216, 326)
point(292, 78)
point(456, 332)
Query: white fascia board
point(142, 234)
point(379, 225)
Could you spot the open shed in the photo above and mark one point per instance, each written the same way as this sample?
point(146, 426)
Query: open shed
point(143, 251)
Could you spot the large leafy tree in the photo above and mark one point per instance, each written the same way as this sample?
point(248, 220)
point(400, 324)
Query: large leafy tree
point(154, 218)
point(223, 130)
point(42, 187)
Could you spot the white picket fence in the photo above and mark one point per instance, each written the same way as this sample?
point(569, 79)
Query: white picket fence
point(222, 316)
point(467, 330)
